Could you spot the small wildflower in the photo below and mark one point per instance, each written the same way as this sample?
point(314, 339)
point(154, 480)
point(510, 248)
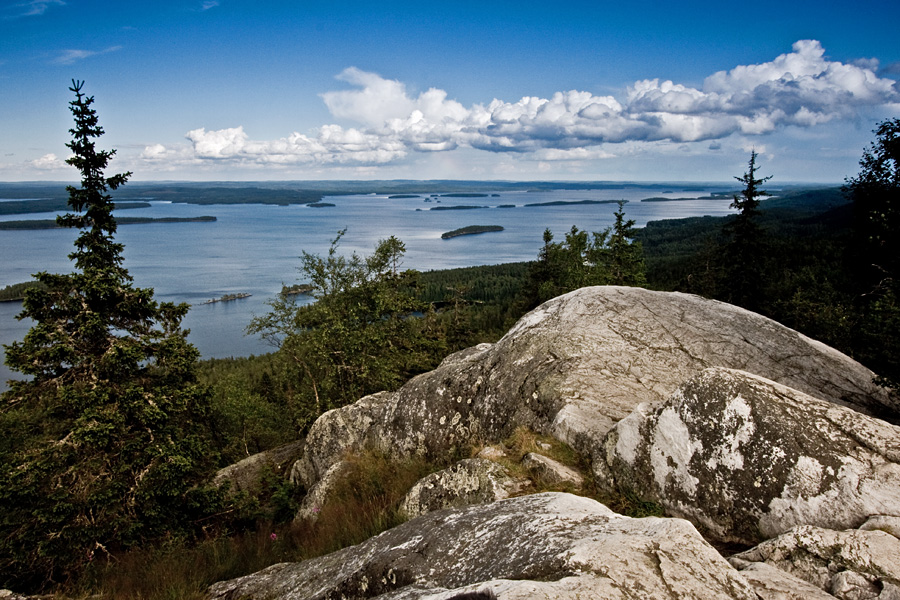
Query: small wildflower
point(316, 509)
point(274, 536)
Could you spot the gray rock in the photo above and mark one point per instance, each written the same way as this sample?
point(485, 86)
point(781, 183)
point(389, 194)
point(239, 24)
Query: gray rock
point(847, 564)
point(471, 481)
point(887, 523)
point(747, 459)
point(316, 498)
point(549, 544)
point(574, 367)
point(245, 475)
point(771, 583)
point(550, 471)
point(492, 453)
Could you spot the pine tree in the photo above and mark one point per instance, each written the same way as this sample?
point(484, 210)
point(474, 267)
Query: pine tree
point(745, 252)
point(626, 256)
point(875, 192)
point(109, 441)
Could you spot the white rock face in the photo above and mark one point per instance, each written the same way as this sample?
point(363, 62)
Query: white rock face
point(846, 564)
point(747, 459)
point(471, 481)
point(548, 545)
point(578, 364)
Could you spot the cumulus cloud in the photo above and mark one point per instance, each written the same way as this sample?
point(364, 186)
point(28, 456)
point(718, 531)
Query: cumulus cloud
point(801, 88)
point(48, 162)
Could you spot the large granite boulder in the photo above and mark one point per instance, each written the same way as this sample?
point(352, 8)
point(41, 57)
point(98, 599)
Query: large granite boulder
point(852, 564)
point(578, 364)
point(747, 459)
point(549, 545)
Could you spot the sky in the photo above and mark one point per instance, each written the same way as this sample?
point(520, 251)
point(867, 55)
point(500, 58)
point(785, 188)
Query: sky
point(240, 90)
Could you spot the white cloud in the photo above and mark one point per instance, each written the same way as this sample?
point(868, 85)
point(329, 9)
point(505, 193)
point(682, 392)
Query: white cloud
point(71, 56)
point(800, 89)
point(208, 4)
point(48, 162)
point(34, 8)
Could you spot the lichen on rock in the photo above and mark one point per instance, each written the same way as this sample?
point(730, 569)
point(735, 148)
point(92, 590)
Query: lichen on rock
point(747, 459)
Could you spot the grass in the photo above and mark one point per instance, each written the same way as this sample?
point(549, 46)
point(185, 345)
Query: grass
point(364, 502)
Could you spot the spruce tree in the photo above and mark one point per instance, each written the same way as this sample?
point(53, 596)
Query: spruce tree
point(745, 252)
point(105, 443)
point(875, 192)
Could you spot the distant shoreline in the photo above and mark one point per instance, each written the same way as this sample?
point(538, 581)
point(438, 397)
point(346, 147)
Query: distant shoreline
point(52, 224)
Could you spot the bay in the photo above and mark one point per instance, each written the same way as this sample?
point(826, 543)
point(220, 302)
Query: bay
point(255, 248)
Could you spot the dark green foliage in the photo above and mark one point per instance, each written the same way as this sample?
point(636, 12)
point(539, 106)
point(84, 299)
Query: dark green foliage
point(105, 446)
point(16, 291)
point(875, 192)
point(744, 252)
point(257, 404)
point(609, 257)
point(359, 336)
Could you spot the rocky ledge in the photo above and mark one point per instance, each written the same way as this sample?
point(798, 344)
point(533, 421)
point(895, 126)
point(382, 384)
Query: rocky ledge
point(743, 430)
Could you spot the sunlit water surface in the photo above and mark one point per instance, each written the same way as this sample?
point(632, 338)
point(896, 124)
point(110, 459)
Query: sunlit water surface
point(254, 248)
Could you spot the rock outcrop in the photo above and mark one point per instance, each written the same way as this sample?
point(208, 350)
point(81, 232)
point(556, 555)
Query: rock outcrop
point(748, 459)
point(578, 364)
point(847, 564)
point(584, 551)
point(245, 475)
point(470, 481)
point(748, 429)
point(550, 471)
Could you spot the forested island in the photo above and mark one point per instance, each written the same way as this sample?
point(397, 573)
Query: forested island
point(52, 224)
point(574, 202)
point(457, 207)
point(39, 205)
point(470, 230)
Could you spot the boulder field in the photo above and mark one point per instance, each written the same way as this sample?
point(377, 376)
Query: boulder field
point(741, 429)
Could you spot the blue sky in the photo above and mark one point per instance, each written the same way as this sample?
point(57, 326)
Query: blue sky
point(268, 90)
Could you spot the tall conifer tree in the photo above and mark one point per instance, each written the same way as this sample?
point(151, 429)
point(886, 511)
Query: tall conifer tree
point(105, 444)
point(745, 252)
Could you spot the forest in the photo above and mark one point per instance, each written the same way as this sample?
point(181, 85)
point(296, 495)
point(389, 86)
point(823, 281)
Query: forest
point(108, 451)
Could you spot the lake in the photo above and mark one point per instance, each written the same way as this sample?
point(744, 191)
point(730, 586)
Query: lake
point(254, 248)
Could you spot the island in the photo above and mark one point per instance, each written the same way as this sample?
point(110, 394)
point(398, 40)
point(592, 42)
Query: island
point(403, 196)
point(456, 207)
point(296, 289)
point(574, 202)
point(464, 195)
point(470, 230)
point(227, 298)
point(320, 204)
point(51, 223)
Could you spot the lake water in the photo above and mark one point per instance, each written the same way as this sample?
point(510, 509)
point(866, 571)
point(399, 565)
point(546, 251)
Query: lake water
point(254, 248)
